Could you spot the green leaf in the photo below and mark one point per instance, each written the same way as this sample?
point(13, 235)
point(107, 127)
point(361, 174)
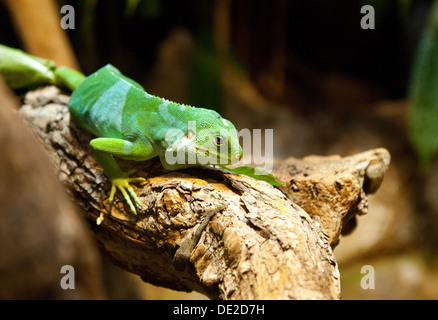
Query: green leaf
point(423, 120)
point(22, 70)
point(256, 173)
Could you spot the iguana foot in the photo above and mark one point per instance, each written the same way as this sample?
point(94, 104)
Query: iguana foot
point(123, 184)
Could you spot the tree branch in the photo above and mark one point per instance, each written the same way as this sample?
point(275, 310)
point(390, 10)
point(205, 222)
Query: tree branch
point(334, 189)
point(256, 244)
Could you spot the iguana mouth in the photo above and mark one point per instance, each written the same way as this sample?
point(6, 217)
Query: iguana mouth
point(220, 157)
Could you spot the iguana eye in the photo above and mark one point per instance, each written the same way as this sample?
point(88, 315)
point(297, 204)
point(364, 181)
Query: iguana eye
point(219, 141)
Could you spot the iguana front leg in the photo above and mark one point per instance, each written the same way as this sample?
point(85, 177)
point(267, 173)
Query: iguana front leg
point(104, 149)
point(119, 180)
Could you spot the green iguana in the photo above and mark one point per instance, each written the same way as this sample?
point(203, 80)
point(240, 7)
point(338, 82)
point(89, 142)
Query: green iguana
point(130, 123)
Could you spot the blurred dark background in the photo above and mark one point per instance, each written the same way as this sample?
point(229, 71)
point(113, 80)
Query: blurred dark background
point(282, 37)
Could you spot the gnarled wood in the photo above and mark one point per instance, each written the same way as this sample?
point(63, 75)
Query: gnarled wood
point(334, 189)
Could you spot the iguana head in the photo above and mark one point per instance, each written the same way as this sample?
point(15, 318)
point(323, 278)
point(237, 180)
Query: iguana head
point(215, 140)
point(207, 139)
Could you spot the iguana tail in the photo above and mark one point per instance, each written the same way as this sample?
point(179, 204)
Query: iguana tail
point(22, 70)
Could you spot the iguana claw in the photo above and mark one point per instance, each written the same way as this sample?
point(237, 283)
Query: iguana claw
point(123, 184)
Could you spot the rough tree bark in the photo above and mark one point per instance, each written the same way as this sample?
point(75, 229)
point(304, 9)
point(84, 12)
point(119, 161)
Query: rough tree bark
point(333, 189)
point(258, 244)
